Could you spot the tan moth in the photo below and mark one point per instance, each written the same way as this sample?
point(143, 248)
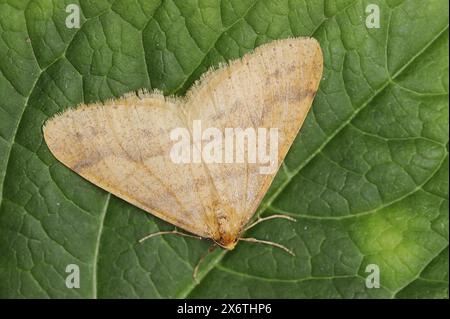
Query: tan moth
point(124, 145)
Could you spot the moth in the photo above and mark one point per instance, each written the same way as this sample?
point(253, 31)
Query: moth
point(124, 145)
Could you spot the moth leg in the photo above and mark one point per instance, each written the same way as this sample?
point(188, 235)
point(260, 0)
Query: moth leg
point(265, 242)
point(200, 261)
point(262, 219)
point(173, 232)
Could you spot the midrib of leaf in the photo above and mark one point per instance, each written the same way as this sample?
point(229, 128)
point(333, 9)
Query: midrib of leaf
point(97, 245)
point(267, 279)
point(213, 264)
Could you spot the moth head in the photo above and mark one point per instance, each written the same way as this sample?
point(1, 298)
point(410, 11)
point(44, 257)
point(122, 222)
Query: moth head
point(227, 242)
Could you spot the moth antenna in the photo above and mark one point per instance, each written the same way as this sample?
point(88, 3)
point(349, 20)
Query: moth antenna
point(173, 232)
point(200, 261)
point(260, 220)
point(270, 243)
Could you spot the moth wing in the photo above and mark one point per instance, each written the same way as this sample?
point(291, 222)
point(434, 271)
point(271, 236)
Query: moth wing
point(273, 87)
point(123, 147)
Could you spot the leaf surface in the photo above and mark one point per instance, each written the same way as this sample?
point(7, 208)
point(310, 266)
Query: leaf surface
point(367, 178)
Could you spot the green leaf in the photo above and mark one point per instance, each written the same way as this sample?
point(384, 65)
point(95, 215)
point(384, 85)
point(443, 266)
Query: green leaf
point(367, 178)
